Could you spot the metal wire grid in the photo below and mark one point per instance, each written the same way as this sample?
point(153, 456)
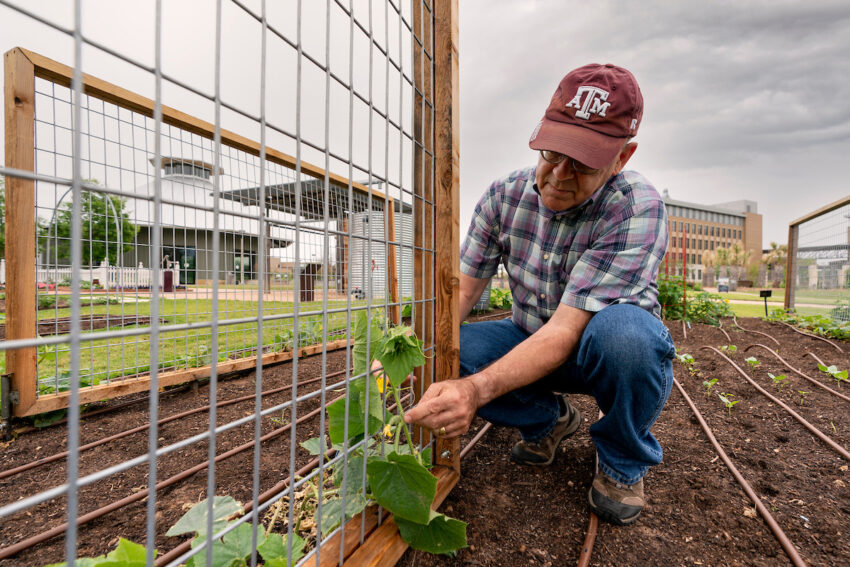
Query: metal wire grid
point(821, 279)
point(122, 180)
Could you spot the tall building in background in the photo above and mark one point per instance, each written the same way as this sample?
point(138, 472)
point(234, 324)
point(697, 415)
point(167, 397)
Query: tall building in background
point(708, 227)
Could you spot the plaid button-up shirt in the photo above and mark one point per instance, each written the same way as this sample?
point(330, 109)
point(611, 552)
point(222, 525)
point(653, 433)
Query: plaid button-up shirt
point(606, 250)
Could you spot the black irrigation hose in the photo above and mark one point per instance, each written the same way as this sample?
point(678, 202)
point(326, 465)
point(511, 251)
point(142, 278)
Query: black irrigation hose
point(810, 335)
point(810, 379)
point(821, 435)
point(139, 429)
point(735, 320)
point(768, 518)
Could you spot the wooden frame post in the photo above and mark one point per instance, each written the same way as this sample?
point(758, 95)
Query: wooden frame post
point(392, 271)
point(21, 313)
point(447, 205)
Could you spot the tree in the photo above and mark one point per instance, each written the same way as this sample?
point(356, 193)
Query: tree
point(100, 228)
point(775, 261)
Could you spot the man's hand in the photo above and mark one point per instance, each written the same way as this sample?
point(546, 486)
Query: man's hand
point(450, 404)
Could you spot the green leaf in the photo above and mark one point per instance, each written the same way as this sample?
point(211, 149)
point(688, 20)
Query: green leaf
point(362, 327)
point(316, 445)
point(222, 555)
point(240, 538)
point(332, 511)
point(440, 535)
point(274, 549)
point(822, 367)
point(336, 417)
point(832, 369)
point(127, 554)
point(195, 520)
point(841, 375)
point(400, 353)
point(353, 470)
point(48, 418)
point(376, 407)
point(403, 486)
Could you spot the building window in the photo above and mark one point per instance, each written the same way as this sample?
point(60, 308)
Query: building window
point(712, 231)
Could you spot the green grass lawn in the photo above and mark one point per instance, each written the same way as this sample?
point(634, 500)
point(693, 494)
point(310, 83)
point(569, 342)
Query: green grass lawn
point(116, 357)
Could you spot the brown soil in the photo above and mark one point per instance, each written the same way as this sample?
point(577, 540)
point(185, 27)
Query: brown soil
point(696, 512)
point(233, 476)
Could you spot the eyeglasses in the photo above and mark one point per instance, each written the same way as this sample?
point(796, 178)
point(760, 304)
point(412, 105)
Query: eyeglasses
point(556, 158)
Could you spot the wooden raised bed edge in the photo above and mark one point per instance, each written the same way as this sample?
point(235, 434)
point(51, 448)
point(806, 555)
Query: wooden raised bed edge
point(53, 402)
point(383, 545)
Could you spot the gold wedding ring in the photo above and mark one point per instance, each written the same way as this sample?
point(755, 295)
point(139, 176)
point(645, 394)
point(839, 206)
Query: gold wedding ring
point(442, 432)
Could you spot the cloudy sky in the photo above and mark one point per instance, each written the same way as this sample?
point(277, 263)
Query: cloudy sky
point(743, 100)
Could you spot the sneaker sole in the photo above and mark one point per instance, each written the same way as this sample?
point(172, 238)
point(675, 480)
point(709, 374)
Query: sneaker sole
point(608, 516)
point(574, 426)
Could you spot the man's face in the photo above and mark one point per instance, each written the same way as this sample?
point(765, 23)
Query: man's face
point(561, 187)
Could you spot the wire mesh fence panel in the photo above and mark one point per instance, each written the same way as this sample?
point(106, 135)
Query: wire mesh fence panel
point(818, 276)
point(254, 214)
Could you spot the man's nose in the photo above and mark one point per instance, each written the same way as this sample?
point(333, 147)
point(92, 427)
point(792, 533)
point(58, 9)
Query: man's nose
point(564, 170)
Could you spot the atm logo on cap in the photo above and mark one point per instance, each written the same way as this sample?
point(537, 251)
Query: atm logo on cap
point(594, 102)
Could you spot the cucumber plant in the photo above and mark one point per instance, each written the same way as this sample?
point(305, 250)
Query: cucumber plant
point(397, 475)
point(728, 401)
point(839, 375)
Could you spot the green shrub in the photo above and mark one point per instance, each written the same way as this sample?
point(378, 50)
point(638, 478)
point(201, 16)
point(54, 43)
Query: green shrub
point(501, 298)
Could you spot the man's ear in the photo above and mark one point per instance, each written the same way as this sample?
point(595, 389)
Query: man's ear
point(624, 157)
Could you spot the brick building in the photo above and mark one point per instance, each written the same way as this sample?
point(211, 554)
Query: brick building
point(708, 227)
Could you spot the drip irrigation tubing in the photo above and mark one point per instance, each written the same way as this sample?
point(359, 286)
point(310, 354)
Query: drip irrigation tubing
point(810, 335)
point(592, 522)
point(821, 435)
point(684, 331)
point(139, 429)
point(86, 518)
point(768, 518)
point(813, 355)
point(810, 379)
point(469, 446)
point(722, 330)
point(756, 332)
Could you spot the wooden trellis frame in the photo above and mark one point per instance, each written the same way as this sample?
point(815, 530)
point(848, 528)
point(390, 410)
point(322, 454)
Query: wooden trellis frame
point(793, 237)
point(22, 67)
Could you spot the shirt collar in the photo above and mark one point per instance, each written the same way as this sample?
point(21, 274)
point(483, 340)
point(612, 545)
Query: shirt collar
point(573, 211)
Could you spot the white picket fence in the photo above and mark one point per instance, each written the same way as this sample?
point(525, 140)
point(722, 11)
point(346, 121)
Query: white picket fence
point(111, 277)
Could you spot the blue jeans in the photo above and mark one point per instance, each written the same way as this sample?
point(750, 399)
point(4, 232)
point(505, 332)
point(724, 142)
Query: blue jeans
point(623, 359)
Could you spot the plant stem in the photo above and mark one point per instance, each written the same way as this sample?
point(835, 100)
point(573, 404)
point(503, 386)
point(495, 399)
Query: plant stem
point(403, 424)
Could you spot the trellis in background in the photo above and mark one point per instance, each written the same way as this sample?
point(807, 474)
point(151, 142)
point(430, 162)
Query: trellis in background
point(818, 266)
point(201, 251)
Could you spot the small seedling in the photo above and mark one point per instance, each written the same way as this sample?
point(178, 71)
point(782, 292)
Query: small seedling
point(709, 384)
point(685, 359)
point(839, 375)
point(778, 381)
point(802, 395)
point(752, 361)
point(728, 401)
point(729, 348)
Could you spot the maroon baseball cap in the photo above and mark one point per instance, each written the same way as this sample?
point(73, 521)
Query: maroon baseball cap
point(594, 111)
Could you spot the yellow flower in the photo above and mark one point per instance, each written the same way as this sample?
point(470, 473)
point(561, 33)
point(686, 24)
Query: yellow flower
point(726, 300)
point(381, 381)
point(388, 431)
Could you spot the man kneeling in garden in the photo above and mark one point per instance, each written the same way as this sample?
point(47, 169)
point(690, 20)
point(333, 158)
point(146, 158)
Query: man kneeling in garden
point(581, 241)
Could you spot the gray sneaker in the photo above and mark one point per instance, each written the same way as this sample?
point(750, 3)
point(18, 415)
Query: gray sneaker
point(542, 452)
point(616, 503)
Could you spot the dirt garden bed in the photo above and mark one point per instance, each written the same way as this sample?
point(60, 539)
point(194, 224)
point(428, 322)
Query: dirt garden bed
point(696, 514)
